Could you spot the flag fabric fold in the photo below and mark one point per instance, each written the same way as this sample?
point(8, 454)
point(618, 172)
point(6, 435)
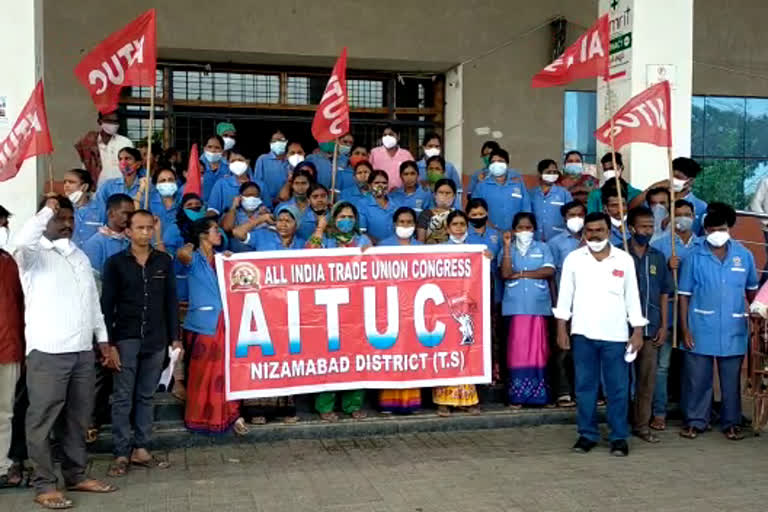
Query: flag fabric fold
point(332, 116)
point(29, 136)
point(194, 177)
point(646, 117)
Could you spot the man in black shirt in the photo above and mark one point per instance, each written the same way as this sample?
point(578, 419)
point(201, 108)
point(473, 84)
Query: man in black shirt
point(141, 312)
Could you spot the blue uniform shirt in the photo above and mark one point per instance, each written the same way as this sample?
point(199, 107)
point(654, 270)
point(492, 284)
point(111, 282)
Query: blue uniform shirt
point(478, 176)
point(173, 242)
point(699, 209)
point(504, 200)
point(418, 199)
point(561, 246)
point(377, 221)
point(451, 173)
point(393, 241)
point(210, 177)
point(157, 207)
point(353, 194)
point(268, 240)
point(491, 238)
point(227, 188)
point(357, 241)
point(115, 186)
point(682, 250)
point(527, 296)
point(307, 222)
point(546, 208)
point(100, 247)
point(345, 178)
point(653, 280)
point(324, 165)
point(616, 239)
point(273, 172)
point(204, 296)
point(88, 219)
point(717, 314)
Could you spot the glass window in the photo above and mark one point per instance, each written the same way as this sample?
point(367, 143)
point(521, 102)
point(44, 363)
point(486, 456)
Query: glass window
point(756, 134)
point(225, 87)
point(724, 122)
point(143, 92)
point(580, 123)
point(365, 93)
point(697, 125)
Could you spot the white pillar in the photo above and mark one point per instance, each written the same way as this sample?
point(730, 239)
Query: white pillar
point(649, 39)
point(21, 35)
point(453, 118)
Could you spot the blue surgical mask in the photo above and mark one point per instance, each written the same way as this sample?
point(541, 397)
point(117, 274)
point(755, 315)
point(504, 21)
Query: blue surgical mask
point(167, 189)
point(194, 215)
point(345, 225)
point(573, 169)
point(250, 204)
point(278, 147)
point(212, 157)
point(344, 149)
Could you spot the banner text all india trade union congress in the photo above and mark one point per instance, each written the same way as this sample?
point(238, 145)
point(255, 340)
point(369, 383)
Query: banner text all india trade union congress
point(329, 319)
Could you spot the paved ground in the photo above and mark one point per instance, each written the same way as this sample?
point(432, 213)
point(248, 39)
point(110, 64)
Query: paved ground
point(521, 469)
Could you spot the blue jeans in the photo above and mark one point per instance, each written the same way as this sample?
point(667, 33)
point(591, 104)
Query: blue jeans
point(697, 390)
point(662, 375)
point(133, 388)
point(591, 358)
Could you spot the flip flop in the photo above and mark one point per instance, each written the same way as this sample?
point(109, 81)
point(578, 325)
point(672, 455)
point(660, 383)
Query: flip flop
point(658, 424)
point(53, 501)
point(648, 437)
point(358, 415)
point(330, 417)
point(239, 427)
point(733, 434)
point(91, 485)
point(118, 468)
point(151, 463)
point(91, 435)
point(690, 433)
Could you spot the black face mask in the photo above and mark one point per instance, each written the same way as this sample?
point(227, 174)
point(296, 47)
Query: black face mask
point(319, 212)
point(478, 222)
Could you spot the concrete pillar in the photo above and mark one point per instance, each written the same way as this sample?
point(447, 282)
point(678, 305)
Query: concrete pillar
point(649, 39)
point(21, 36)
point(453, 118)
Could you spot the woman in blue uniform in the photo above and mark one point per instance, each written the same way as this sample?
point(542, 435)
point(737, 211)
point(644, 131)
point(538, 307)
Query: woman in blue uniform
point(359, 190)
point(404, 221)
point(78, 185)
point(411, 193)
point(319, 198)
point(130, 183)
point(214, 164)
point(165, 195)
point(345, 177)
point(546, 201)
point(715, 279)
point(377, 209)
point(504, 191)
point(247, 217)
point(432, 226)
point(300, 183)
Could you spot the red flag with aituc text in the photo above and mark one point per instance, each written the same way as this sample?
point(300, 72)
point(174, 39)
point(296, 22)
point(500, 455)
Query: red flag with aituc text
point(194, 178)
point(644, 118)
point(127, 57)
point(332, 116)
point(588, 57)
point(28, 137)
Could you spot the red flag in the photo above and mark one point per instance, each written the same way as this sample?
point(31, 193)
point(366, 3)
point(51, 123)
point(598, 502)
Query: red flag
point(29, 136)
point(332, 116)
point(127, 57)
point(586, 58)
point(194, 181)
point(644, 118)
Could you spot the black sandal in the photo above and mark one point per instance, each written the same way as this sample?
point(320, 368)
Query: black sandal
point(734, 434)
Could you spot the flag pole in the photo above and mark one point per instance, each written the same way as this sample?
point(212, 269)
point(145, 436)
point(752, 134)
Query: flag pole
point(50, 174)
point(333, 171)
point(148, 177)
point(672, 237)
point(615, 167)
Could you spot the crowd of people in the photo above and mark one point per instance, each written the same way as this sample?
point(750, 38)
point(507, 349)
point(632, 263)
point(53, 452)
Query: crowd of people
point(92, 284)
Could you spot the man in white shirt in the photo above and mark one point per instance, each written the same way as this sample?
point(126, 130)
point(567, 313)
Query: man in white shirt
point(62, 316)
point(598, 294)
point(99, 150)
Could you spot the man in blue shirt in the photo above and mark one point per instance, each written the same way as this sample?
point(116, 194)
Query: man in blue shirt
point(561, 246)
point(546, 201)
point(655, 286)
point(685, 242)
point(714, 281)
point(504, 191)
point(110, 239)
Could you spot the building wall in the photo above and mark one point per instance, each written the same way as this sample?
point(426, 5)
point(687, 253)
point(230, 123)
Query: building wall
point(501, 44)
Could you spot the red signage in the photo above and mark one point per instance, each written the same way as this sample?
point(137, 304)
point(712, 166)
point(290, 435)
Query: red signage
point(644, 118)
point(588, 57)
point(329, 319)
point(127, 57)
point(28, 137)
point(332, 116)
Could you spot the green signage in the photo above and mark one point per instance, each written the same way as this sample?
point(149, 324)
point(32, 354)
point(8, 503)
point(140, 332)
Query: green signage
point(621, 43)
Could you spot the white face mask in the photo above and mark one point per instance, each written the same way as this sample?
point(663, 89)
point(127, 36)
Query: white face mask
point(597, 246)
point(497, 169)
point(388, 141)
point(110, 128)
point(295, 159)
point(75, 196)
point(238, 168)
point(430, 152)
point(575, 224)
point(61, 245)
point(523, 240)
point(229, 143)
point(550, 178)
point(278, 147)
point(683, 224)
point(458, 239)
point(678, 185)
point(3, 237)
point(167, 189)
point(609, 175)
point(404, 232)
point(718, 238)
point(250, 204)
point(616, 222)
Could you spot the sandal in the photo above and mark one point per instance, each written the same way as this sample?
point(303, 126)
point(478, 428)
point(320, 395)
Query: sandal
point(258, 420)
point(330, 417)
point(290, 420)
point(565, 401)
point(179, 392)
point(647, 436)
point(690, 432)
point(53, 501)
point(92, 435)
point(734, 434)
point(658, 423)
point(358, 415)
point(515, 407)
point(153, 462)
point(118, 468)
point(443, 411)
point(240, 427)
point(91, 485)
